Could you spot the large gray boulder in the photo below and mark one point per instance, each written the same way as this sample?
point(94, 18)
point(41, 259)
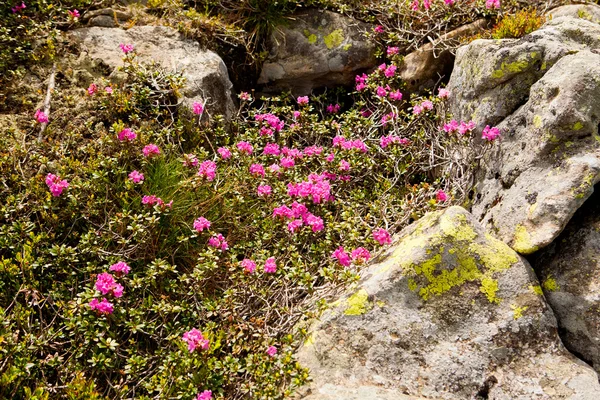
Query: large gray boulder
point(449, 312)
point(569, 269)
point(206, 76)
point(316, 48)
point(590, 12)
point(543, 92)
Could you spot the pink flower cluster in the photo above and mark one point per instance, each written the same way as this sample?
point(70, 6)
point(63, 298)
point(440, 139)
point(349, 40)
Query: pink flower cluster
point(208, 170)
point(151, 150)
point(441, 196)
point(490, 133)
point(443, 93)
point(302, 100)
point(463, 127)
point(195, 339)
point(386, 141)
point(56, 185)
point(257, 170)
point(152, 200)
point(382, 236)
point(190, 160)
point(333, 108)
point(197, 108)
point(73, 14)
point(18, 7)
point(392, 51)
point(271, 120)
point(218, 242)
point(136, 176)
point(245, 147)
point(250, 266)
point(126, 48)
point(106, 284)
point(120, 269)
point(264, 190)
point(359, 255)
point(317, 188)
point(426, 105)
point(201, 224)
point(224, 152)
point(126, 134)
point(41, 117)
point(492, 4)
point(300, 216)
point(343, 143)
point(388, 71)
point(205, 395)
point(361, 82)
point(271, 351)
point(101, 307)
point(270, 265)
point(92, 89)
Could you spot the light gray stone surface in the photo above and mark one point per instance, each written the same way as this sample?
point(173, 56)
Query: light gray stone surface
point(448, 312)
point(543, 92)
point(316, 48)
point(206, 76)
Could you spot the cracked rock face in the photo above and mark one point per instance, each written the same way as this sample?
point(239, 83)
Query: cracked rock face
point(448, 312)
point(316, 49)
point(206, 76)
point(543, 92)
point(570, 272)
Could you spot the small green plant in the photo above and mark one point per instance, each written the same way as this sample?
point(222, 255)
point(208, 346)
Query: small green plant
point(518, 24)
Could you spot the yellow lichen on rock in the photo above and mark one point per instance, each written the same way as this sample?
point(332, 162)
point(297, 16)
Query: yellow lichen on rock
point(522, 242)
point(358, 303)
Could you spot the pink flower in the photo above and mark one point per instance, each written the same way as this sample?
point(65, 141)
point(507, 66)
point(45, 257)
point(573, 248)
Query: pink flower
point(274, 168)
point(441, 195)
point(201, 224)
point(264, 190)
point(120, 268)
point(316, 223)
point(18, 7)
point(443, 93)
point(272, 149)
point(271, 351)
point(136, 176)
point(379, 29)
point(257, 169)
point(206, 395)
point(126, 134)
point(208, 170)
point(344, 165)
point(195, 339)
point(415, 5)
point(264, 131)
point(294, 225)
point(385, 141)
point(190, 160)
point(330, 157)
point(41, 117)
point(152, 200)
point(492, 4)
point(283, 211)
point(92, 89)
point(427, 105)
point(490, 134)
point(224, 152)
point(197, 108)
point(381, 92)
point(417, 110)
point(102, 307)
point(287, 162)
point(270, 265)
point(126, 48)
point(392, 51)
point(361, 86)
point(303, 100)
point(248, 265)
point(297, 114)
point(218, 242)
point(387, 118)
point(245, 148)
point(150, 150)
point(333, 109)
point(55, 184)
point(245, 96)
point(449, 2)
point(73, 14)
point(382, 236)
point(342, 257)
point(390, 71)
point(105, 284)
point(451, 126)
point(466, 127)
point(396, 95)
point(360, 255)
point(108, 89)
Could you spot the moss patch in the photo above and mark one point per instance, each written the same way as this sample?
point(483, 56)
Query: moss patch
point(358, 303)
point(522, 241)
point(334, 39)
point(550, 285)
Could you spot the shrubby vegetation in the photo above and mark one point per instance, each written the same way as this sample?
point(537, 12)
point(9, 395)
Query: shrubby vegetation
point(146, 252)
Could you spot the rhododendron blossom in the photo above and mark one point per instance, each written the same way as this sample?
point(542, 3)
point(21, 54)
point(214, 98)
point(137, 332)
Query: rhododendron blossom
point(106, 284)
point(92, 89)
point(342, 257)
point(417, 109)
point(206, 395)
point(303, 100)
point(492, 4)
point(466, 127)
point(73, 14)
point(386, 141)
point(150, 150)
point(257, 169)
point(195, 339)
point(263, 190)
point(190, 160)
point(441, 195)
point(344, 165)
point(490, 133)
point(395, 95)
point(271, 149)
point(126, 134)
point(382, 236)
point(270, 265)
point(313, 151)
point(381, 92)
point(316, 223)
point(56, 185)
point(201, 224)
point(120, 269)
point(333, 109)
point(102, 307)
point(41, 117)
point(245, 148)
point(287, 162)
point(274, 168)
point(317, 188)
point(379, 29)
point(248, 265)
point(360, 255)
point(208, 170)
point(108, 90)
point(152, 200)
point(126, 48)
point(264, 131)
point(197, 108)
point(218, 242)
point(294, 225)
point(18, 7)
point(390, 71)
point(136, 176)
point(271, 351)
point(392, 51)
point(245, 96)
point(224, 152)
point(443, 93)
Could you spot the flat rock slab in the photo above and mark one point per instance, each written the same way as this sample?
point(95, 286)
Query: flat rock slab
point(448, 312)
point(543, 92)
point(315, 49)
point(206, 76)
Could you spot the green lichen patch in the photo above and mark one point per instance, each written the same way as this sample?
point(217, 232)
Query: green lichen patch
point(516, 66)
point(518, 311)
point(550, 285)
point(334, 39)
point(522, 241)
point(537, 289)
point(311, 37)
point(358, 303)
point(578, 126)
